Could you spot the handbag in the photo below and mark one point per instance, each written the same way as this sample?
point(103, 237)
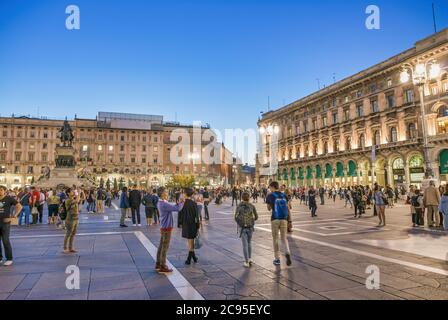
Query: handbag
point(289, 226)
point(34, 211)
point(198, 241)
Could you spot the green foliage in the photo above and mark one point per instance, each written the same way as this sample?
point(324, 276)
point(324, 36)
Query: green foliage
point(181, 181)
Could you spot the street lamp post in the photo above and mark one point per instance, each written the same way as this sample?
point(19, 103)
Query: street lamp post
point(420, 77)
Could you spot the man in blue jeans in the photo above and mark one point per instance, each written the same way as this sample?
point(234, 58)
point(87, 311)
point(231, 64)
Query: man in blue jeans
point(25, 202)
point(278, 203)
point(6, 203)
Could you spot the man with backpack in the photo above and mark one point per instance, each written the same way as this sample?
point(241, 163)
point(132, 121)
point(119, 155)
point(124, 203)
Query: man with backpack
point(278, 203)
point(417, 213)
point(245, 217)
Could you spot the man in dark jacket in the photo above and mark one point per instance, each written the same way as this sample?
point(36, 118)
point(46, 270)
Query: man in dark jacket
point(135, 200)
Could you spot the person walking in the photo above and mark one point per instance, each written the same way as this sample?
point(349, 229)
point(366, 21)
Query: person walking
point(71, 221)
point(6, 204)
point(431, 200)
point(124, 206)
point(235, 193)
point(53, 203)
point(25, 202)
point(278, 204)
point(166, 227)
point(199, 199)
point(100, 198)
point(443, 208)
point(150, 203)
point(322, 195)
point(207, 199)
point(189, 221)
point(135, 200)
point(245, 217)
point(312, 201)
point(380, 205)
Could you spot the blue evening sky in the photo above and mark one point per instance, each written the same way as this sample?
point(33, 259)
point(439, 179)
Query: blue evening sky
point(211, 60)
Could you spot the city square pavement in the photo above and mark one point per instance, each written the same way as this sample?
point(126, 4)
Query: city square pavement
point(330, 256)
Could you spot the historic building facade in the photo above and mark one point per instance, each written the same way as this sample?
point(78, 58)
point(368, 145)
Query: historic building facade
point(114, 146)
point(326, 139)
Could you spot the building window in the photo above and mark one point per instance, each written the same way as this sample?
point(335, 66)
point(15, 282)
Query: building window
point(347, 115)
point(143, 160)
point(44, 145)
point(132, 159)
point(133, 148)
point(156, 149)
point(111, 148)
point(393, 134)
point(121, 148)
point(336, 145)
point(377, 138)
point(121, 138)
point(133, 138)
point(373, 88)
point(19, 134)
point(156, 160)
point(44, 158)
point(445, 87)
point(443, 112)
point(111, 158)
point(325, 147)
point(314, 124)
point(362, 141)
point(359, 94)
point(45, 135)
point(360, 110)
point(335, 118)
point(374, 105)
point(435, 90)
point(85, 148)
point(31, 156)
point(156, 139)
point(18, 145)
point(409, 96)
point(334, 102)
point(3, 144)
point(305, 126)
point(111, 137)
point(412, 131)
point(16, 169)
point(348, 143)
point(5, 134)
point(143, 148)
point(389, 83)
point(32, 146)
point(2, 156)
point(32, 134)
point(121, 159)
point(18, 156)
point(144, 138)
point(390, 101)
point(346, 99)
point(324, 121)
point(30, 170)
point(100, 148)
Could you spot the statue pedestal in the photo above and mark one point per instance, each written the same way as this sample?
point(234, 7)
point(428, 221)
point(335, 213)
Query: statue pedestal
point(64, 175)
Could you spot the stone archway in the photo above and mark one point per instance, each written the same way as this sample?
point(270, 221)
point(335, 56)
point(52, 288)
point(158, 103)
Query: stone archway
point(381, 172)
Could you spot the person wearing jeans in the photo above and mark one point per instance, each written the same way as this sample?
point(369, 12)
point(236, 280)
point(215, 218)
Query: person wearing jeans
point(166, 227)
point(124, 206)
point(25, 200)
point(135, 200)
point(245, 216)
point(6, 203)
point(206, 196)
point(431, 200)
point(279, 222)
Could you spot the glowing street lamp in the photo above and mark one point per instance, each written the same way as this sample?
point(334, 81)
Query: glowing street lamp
point(421, 75)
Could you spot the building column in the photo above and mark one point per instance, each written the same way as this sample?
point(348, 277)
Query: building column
point(390, 175)
point(407, 174)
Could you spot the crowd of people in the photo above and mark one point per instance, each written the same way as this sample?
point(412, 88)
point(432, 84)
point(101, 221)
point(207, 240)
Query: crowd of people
point(25, 207)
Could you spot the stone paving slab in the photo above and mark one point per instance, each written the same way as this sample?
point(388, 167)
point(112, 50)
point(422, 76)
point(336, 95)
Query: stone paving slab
point(358, 293)
point(8, 283)
point(138, 293)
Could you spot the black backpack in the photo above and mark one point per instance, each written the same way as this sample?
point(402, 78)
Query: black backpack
point(414, 201)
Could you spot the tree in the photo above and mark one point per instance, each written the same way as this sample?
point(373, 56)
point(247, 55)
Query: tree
point(181, 181)
point(108, 184)
point(115, 184)
point(121, 184)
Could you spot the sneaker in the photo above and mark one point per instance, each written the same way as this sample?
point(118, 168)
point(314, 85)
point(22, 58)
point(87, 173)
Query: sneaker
point(165, 270)
point(139, 225)
point(288, 260)
point(246, 265)
point(123, 226)
point(134, 225)
point(157, 267)
point(7, 263)
point(251, 262)
point(276, 262)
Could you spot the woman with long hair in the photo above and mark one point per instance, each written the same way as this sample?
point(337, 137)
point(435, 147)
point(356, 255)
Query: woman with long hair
point(189, 221)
